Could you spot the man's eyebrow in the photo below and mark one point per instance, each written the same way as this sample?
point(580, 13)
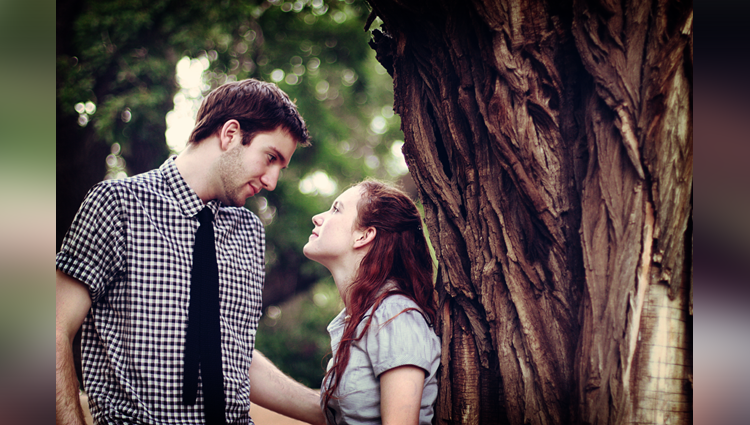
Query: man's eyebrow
point(280, 157)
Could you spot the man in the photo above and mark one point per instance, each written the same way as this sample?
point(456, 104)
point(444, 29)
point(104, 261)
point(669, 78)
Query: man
point(153, 340)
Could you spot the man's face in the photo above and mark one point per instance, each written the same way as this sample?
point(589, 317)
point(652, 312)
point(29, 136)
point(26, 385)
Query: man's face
point(246, 169)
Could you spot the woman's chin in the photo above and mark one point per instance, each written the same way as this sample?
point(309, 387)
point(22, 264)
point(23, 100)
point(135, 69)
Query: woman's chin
point(307, 251)
point(312, 255)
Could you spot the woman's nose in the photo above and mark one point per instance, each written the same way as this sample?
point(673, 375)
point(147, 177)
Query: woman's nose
point(317, 219)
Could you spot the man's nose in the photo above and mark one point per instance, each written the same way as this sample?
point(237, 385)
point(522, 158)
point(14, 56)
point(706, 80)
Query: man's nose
point(270, 178)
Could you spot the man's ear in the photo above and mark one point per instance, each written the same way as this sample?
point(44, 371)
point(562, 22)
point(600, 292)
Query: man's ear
point(365, 237)
point(228, 133)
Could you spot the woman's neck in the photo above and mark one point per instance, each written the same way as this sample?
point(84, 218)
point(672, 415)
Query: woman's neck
point(344, 274)
point(343, 282)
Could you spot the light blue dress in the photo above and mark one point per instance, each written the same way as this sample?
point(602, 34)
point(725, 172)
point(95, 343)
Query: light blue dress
point(405, 340)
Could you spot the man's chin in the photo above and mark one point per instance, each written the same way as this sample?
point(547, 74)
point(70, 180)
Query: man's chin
point(240, 202)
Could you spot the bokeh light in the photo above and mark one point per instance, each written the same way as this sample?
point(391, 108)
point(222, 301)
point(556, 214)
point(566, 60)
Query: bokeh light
point(318, 183)
point(379, 125)
point(395, 163)
point(180, 121)
point(277, 75)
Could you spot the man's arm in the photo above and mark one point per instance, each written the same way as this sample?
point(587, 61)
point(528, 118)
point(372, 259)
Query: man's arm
point(72, 303)
point(272, 389)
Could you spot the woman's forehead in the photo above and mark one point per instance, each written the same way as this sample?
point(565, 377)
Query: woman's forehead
point(350, 196)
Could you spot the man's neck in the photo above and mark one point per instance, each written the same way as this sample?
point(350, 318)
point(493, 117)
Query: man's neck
point(196, 164)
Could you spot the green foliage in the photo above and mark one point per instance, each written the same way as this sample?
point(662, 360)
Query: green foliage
point(293, 334)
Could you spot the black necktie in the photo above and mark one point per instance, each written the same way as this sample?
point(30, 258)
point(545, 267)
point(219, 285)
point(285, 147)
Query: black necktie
point(203, 339)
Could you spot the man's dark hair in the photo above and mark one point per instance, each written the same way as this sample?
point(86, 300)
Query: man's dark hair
point(258, 106)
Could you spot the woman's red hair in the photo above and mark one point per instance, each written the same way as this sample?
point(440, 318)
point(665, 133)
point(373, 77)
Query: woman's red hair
point(399, 253)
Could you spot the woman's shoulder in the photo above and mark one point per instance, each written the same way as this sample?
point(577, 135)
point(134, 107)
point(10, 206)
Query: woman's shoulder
point(397, 305)
point(399, 300)
point(400, 335)
point(396, 301)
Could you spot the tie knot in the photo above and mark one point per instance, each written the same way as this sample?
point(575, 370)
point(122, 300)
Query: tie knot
point(205, 216)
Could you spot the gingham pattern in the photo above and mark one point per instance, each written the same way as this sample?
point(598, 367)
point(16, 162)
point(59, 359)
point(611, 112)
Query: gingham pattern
point(131, 243)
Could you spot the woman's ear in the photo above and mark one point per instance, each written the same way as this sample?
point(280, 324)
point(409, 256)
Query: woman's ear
point(365, 237)
point(229, 132)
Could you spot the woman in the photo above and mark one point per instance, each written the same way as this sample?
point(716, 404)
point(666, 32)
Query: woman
point(385, 352)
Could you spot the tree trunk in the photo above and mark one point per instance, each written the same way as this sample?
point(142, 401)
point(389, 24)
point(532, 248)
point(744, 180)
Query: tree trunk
point(551, 143)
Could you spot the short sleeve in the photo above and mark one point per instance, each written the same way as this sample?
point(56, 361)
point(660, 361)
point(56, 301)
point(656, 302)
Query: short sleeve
point(399, 336)
point(92, 250)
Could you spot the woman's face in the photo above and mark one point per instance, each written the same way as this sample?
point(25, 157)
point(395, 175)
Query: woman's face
point(334, 233)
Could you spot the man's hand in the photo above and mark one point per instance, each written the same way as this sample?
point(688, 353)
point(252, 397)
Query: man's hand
point(272, 389)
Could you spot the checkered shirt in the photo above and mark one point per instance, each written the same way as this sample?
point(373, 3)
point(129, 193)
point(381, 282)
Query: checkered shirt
point(132, 244)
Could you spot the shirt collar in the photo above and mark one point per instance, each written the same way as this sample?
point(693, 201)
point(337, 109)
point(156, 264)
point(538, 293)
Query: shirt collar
point(188, 200)
point(343, 317)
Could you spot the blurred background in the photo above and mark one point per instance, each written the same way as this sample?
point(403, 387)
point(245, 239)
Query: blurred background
point(721, 213)
point(354, 134)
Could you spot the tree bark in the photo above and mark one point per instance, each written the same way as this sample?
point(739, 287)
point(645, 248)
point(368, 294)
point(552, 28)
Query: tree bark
point(552, 147)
